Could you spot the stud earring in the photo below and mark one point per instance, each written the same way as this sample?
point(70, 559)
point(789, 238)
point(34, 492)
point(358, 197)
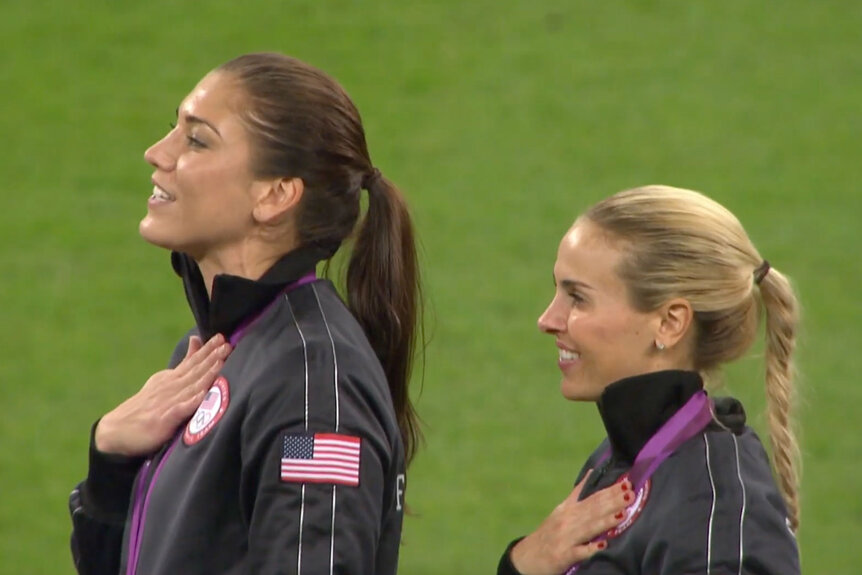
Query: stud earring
point(659, 345)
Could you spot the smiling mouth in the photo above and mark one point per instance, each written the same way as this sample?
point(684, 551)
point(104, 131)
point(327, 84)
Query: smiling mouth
point(161, 195)
point(566, 355)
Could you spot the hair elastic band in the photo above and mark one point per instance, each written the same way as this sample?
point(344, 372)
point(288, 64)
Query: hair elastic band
point(371, 178)
point(761, 271)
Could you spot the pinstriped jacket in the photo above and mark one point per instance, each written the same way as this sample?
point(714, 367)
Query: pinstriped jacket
point(217, 499)
point(711, 508)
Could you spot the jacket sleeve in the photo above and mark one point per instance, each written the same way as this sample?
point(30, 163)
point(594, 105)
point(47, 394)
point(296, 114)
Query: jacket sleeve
point(768, 547)
point(98, 506)
point(100, 503)
point(736, 524)
point(314, 525)
point(505, 566)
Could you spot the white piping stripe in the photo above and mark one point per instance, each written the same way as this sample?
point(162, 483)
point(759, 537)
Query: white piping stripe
point(302, 492)
point(712, 510)
point(301, 521)
point(334, 356)
point(332, 543)
point(304, 357)
point(742, 512)
point(337, 423)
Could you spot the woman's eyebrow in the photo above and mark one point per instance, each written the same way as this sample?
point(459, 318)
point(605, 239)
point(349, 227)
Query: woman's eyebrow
point(197, 120)
point(573, 284)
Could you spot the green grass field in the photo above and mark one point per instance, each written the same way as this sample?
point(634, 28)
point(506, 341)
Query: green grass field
point(501, 120)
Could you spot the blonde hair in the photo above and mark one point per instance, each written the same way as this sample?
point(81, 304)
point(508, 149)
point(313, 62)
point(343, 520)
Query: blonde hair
point(679, 243)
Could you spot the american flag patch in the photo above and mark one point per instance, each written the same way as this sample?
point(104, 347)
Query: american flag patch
point(320, 458)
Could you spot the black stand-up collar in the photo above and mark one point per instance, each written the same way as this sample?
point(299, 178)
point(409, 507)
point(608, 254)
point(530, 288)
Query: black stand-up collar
point(633, 409)
point(235, 298)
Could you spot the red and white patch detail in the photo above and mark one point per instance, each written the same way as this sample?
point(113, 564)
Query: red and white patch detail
point(209, 412)
point(633, 511)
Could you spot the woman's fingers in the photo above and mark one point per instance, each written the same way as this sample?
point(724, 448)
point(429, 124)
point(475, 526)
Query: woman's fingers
point(606, 507)
point(193, 358)
point(616, 497)
point(150, 417)
point(567, 536)
point(201, 379)
point(203, 369)
point(204, 365)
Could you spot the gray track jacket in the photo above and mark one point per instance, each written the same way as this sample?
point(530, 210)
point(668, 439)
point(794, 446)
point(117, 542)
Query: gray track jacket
point(711, 508)
point(264, 478)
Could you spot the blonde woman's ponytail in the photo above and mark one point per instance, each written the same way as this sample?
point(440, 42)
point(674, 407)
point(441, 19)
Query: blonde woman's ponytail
point(782, 317)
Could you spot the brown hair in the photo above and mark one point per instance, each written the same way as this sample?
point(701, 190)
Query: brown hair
point(304, 125)
point(679, 243)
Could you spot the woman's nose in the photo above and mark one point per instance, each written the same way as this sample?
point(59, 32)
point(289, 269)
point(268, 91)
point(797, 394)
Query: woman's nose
point(160, 154)
point(553, 320)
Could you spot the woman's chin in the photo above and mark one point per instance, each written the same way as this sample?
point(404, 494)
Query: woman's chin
point(151, 233)
point(577, 391)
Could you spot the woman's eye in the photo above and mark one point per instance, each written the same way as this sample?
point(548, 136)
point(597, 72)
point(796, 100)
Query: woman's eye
point(191, 140)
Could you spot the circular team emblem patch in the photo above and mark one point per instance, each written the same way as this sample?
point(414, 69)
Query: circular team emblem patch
point(209, 412)
point(633, 511)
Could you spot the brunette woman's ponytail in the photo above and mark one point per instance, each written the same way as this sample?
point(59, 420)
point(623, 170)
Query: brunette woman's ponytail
point(384, 293)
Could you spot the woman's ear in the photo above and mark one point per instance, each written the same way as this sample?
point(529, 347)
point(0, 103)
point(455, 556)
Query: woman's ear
point(276, 198)
point(675, 320)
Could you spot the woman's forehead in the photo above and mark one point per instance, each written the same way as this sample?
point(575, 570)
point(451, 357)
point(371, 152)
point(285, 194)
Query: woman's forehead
point(214, 101)
point(216, 93)
point(588, 255)
point(585, 236)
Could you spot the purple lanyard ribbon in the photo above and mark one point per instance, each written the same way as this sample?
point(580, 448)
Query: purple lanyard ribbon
point(686, 423)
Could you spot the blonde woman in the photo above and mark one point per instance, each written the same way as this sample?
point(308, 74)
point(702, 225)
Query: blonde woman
point(655, 289)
